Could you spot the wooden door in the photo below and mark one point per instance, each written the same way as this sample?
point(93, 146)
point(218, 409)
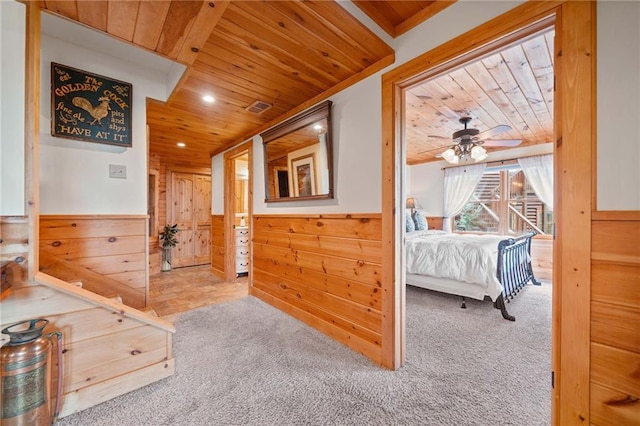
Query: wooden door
point(191, 211)
point(202, 203)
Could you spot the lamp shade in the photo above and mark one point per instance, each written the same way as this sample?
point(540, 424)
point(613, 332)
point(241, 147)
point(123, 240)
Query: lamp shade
point(478, 153)
point(450, 155)
point(411, 203)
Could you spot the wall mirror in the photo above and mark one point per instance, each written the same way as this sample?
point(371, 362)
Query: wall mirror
point(298, 158)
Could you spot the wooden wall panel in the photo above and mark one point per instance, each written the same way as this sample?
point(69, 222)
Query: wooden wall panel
point(14, 242)
point(617, 326)
point(616, 284)
point(111, 246)
point(324, 270)
point(610, 407)
point(615, 319)
point(355, 291)
point(217, 245)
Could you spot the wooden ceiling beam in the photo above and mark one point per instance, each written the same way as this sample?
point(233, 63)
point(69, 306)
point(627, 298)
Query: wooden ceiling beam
point(210, 14)
point(376, 11)
point(416, 19)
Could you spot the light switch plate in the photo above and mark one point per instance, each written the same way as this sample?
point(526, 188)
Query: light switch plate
point(117, 171)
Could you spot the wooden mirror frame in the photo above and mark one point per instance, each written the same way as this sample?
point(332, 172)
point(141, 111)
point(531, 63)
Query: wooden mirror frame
point(317, 113)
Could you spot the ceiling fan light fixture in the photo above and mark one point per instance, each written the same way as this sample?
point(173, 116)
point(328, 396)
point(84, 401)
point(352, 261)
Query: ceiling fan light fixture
point(450, 156)
point(478, 153)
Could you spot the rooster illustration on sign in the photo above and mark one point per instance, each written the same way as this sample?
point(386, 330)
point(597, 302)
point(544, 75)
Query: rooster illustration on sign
point(98, 112)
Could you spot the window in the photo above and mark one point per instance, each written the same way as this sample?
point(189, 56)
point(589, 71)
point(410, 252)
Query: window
point(504, 203)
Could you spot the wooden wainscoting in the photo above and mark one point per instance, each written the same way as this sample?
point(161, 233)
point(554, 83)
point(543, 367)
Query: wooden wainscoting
point(92, 247)
point(217, 245)
point(324, 270)
point(615, 318)
point(14, 243)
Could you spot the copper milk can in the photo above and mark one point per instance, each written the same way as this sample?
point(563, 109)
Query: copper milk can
point(26, 374)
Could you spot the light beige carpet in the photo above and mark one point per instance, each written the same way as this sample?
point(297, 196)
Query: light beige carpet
point(246, 363)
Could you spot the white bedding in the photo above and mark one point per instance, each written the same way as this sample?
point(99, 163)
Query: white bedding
point(470, 259)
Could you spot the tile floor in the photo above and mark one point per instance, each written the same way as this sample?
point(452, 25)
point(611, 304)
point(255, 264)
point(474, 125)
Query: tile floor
point(183, 289)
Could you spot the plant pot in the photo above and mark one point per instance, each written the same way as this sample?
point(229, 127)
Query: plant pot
point(166, 259)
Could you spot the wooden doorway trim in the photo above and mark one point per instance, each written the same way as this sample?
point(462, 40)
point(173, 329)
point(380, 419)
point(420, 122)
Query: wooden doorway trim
point(32, 135)
point(574, 121)
point(230, 210)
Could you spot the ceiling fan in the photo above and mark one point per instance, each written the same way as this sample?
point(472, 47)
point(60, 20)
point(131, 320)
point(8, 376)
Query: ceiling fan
point(467, 143)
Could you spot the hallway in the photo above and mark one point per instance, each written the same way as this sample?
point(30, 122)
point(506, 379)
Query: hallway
point(183, 289)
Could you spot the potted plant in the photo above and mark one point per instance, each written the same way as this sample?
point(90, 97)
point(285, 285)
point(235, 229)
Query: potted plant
point(168, 237)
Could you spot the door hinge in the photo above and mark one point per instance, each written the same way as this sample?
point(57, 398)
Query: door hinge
point(553, 380)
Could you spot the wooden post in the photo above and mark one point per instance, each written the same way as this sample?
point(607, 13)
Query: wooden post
point(32, 132)
point(574, 136)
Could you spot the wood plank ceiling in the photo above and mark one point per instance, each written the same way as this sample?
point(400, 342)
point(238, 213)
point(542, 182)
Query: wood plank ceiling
point(513, 86)
point(289, 55)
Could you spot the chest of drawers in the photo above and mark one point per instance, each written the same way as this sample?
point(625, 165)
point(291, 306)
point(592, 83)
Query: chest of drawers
point(242, 250)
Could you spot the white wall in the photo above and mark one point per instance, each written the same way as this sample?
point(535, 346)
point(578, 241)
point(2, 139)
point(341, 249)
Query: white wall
point(74, 175)
point(12, 57)
point(618, 186)
point(357, 128)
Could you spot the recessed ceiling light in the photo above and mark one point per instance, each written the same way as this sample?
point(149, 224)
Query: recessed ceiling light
point(181, 144)
point(318, 127)
point(209, 99)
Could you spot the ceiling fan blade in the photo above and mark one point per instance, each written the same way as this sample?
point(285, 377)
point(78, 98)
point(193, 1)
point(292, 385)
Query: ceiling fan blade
point(492, 132)
point(502, 142)
point(438, 137)
point(440, 148)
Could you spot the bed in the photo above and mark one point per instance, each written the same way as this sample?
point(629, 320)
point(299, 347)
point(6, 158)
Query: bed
point(473, 266)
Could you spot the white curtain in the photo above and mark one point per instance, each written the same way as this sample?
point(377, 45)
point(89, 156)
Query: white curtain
point(539, 172)
point(459, 184)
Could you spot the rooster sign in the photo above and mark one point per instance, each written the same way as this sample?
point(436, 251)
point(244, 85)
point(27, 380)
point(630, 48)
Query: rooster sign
point(98, 112)
point(90, 107)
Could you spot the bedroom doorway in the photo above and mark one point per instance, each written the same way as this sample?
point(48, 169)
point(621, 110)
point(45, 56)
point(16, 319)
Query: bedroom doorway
point(574, 156)
point(443, 58)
